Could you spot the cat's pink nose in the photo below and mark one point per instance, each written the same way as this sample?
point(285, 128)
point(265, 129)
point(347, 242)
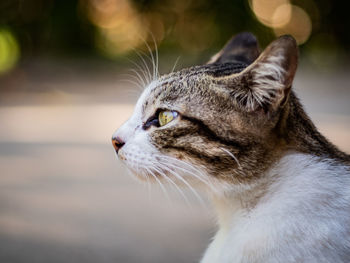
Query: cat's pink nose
point(117, 143)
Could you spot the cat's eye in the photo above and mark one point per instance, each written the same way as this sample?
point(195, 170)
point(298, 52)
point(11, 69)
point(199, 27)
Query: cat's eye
point(166, 116)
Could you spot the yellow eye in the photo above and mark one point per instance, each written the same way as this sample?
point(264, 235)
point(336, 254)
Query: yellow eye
point(164, 117)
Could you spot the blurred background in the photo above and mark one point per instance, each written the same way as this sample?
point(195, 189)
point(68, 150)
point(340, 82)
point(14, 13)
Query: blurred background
point(67, 82)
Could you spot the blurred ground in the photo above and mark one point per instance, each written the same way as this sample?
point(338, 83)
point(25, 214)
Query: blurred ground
point(63, 195)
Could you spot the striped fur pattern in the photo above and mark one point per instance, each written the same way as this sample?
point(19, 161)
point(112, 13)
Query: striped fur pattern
point(242, 136)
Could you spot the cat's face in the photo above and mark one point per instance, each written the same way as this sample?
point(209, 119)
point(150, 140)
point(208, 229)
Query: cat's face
point(211, 124)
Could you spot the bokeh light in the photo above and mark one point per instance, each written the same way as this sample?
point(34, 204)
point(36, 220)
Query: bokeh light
point(9, 50)
point(299, 26)
point(283, 18)
point(265, 9)
point(119, 27)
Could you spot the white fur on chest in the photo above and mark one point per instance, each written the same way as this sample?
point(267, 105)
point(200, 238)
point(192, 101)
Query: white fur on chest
point(303, 216)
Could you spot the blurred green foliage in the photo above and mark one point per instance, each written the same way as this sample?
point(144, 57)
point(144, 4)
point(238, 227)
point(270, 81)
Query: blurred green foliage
point(63, 27)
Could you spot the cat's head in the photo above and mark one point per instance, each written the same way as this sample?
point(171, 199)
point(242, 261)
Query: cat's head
point(215, 123)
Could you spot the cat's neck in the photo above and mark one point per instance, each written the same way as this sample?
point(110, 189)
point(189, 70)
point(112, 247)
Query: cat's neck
point(237, 202)
point(279, 207)
point(302, 136)
point(294, 170)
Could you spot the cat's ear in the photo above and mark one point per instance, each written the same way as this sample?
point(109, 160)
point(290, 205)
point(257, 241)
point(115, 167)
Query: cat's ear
point(267, 82)
point(241, 48)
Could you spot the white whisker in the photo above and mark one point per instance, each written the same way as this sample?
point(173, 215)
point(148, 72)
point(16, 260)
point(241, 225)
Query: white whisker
point(149, 76)
point(159, 182)
point(232, 155)
point(149, 189)
point(175, 64)
point(157, 59)
point(154, 77)
point(180, 161)
point(131, 82)
point(186, 183)
point(143, 79)
point(193, 172)
point(130, 76)
point(173, 183)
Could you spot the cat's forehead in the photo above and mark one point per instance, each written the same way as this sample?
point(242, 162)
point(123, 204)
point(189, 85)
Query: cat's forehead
point(186, 82)
point(216, 70)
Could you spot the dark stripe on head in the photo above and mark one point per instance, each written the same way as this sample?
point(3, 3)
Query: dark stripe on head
point(213, 159)
point(205, 131)
point(219, 70)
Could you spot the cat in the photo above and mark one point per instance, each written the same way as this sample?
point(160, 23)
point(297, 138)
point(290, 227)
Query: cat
point(235, 129)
